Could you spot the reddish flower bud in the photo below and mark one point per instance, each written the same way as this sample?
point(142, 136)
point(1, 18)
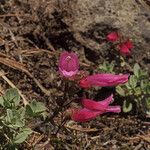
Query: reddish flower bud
point(113, 36)
point(126, 47)
point(103, 80)
point(92, 109)
point(68, 64)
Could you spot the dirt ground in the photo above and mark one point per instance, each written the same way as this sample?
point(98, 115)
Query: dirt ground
point(32, 35)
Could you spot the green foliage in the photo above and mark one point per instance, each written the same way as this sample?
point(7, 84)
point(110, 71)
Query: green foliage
point(22, 135)
point(120, 90)
point(148, 106)
point(10, 99)
point(127, 106)
point(106, 67)
point(137, 89)
point(14, 118)
point(35, 108)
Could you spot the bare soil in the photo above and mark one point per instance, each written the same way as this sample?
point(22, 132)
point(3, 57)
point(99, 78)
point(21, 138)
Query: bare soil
point(32, 35)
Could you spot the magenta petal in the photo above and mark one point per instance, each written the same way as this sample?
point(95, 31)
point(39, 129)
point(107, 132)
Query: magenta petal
point(84, 114)
point(115, 109)
point(106, 101)
point(67, 73)
point(68, 64)
point(97, 106)
point(103, 80)
point(84, 83)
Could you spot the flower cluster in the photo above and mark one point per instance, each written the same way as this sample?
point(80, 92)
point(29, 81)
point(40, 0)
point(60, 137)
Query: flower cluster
point(124, 46)
point(69, 68)
point(91, 109)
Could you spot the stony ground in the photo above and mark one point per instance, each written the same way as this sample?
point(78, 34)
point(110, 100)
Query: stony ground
point(32, 35)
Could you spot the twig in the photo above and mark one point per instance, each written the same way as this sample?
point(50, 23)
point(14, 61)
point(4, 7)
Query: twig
point(145, 138)
point(13, 15)
point(16, 65)
point(48, 43)
point(13, 37)
point(74, 127)
point(2, 74)
point(37, 51)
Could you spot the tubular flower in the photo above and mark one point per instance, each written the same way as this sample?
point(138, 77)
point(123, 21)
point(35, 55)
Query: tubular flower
point(112, 37)
point(92, 109)
point(101, 105)
point(68, 64)
point(83, 115)
point(93, 105)
point(103, 80)
point(126, 47)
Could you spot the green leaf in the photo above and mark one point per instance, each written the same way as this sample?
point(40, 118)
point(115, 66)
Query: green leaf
point(29, 111)
point(128, 85)
point(27, 130)
point(22, 136)
point(148, 103)
point(6, 103)
point(138, 91)
point(19, 123)
point(9, 116)
point(133, 81)
point(14, 119)
point(107, 67)
point(21, 111)
point(136, 69)
point(35, 108)
point(1, 101)
point(120, 90)
point(142, 84)
point(148, 89)
point(143, 74)
point(127, 106)
point(11, 98)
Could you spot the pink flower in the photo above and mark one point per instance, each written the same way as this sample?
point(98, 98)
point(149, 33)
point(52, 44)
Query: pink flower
point(115, 109)
point(101, 105)
point(112, 37)
point(126, 47)
point(103, 80)
point(83, 115)
point(92, 109)
point(68, 64)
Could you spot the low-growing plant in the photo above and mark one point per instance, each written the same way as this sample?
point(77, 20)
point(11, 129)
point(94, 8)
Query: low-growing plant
point(106, 67)
point(14, 119)
point(136, 90)
point(70, 71)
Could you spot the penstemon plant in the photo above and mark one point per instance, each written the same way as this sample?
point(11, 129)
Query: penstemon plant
point(136, 90)
point(14, 119)
point(69, 69)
